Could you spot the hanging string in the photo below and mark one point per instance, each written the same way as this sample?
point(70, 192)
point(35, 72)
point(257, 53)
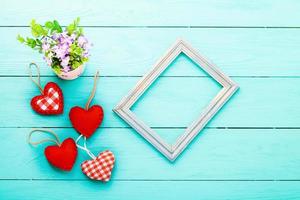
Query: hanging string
point(96, 77)
point(56, 140)
point(84, 147)
point(38, 82)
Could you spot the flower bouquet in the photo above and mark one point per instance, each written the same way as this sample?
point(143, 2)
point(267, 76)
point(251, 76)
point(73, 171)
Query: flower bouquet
point(65, 51)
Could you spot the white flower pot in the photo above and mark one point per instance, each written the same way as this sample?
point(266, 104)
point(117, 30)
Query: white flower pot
point(71, 75)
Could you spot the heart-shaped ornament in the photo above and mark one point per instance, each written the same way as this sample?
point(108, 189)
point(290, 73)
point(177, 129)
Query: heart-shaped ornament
point(86, 121)
point(99, 168)
point(50, 102)
point(63, 156)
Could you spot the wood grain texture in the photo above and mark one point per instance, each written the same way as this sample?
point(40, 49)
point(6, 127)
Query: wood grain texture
point(155, 13)
point(216, 154)
point(209, 190)
point(260, 102)
point(130, 52)
point(248, 151)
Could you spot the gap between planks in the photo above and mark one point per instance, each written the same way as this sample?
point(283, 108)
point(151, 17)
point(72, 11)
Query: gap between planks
point(167, 180)
point(127, 127)
point(139, 76)
point(213, 27)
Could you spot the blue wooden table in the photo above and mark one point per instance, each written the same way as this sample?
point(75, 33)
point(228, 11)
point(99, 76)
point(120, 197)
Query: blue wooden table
point(250, 149)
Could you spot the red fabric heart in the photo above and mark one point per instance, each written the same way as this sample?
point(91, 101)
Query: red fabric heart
point(63, 156)
point(86, 121)
point(99, 168)
point(49, 103)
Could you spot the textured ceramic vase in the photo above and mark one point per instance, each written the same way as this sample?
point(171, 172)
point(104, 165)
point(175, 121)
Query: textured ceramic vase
point(71, 75)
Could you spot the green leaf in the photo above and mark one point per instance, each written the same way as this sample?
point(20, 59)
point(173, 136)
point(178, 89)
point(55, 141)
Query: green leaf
point(80, 31)
point(20, 39)
point(32, 22)
point(49, 25)
point(85, 59)
point(71, 28)
point(77, 20)
point(37, 30)
point(56, 69)
point(73, 47)
point(31, 42)
point(38, 42)
point(75, 64)
point(57, 27)
point(39, 45)
point(78, 50)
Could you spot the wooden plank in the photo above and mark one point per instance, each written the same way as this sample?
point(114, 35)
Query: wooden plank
point(57, 190)
point(130, 52)
point(151, 13)
point(260, 102)
point(216, 154)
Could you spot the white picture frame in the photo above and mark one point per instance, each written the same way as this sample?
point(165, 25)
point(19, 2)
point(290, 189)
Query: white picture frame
point(229, 87)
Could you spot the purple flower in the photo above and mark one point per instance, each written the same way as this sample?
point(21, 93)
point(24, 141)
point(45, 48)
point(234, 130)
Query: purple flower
point(87, 46)
point(82, 41)
point(56, 47)
point(64, 38)
point(85, 54)
point(54, 36)
point(45, 46)
point(61, 51)
point(67, 40)
point(65, 61)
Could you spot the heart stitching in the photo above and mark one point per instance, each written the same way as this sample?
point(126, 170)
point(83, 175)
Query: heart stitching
point(99, 168)
point(49, 103)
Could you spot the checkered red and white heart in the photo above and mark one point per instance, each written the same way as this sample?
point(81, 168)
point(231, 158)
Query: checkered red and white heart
point(99, 168)
point(50, 102)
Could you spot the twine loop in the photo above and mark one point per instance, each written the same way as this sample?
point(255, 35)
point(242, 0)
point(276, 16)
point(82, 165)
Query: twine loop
point(84, 147)
point(96, 77)
point(38, 82)
point(56, 140)
point(87, 105)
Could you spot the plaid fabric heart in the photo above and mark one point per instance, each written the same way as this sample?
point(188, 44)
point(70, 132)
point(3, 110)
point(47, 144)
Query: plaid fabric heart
point(99, 168)
point(50, 102)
